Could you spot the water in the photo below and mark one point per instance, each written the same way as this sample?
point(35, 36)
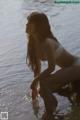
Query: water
point(15, 77)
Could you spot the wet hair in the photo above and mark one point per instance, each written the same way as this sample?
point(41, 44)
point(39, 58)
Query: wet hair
point(42, 27)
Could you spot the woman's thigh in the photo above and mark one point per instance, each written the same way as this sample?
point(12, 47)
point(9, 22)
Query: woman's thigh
point(61, 78)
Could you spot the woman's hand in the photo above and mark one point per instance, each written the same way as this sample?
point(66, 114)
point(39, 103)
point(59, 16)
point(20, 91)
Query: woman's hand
point(34, 89)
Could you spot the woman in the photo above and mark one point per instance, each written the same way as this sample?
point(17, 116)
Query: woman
point(42, 46)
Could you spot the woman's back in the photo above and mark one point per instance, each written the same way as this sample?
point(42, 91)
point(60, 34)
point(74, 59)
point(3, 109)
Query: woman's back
point(62, 57)
point(65, 59)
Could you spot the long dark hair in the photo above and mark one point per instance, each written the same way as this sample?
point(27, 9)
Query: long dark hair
point(43, 29)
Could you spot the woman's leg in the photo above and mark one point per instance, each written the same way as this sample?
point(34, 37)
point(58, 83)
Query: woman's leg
point(49, 100)
point(62, 77)
point(56, 81)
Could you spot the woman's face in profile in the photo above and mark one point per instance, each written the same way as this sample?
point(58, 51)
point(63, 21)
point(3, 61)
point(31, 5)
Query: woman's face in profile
point(30, 27)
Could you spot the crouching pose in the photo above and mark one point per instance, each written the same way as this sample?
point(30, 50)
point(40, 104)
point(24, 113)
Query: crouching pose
point(56, 83)
point(43, 46)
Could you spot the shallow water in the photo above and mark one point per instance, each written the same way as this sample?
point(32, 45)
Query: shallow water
point(15, 77)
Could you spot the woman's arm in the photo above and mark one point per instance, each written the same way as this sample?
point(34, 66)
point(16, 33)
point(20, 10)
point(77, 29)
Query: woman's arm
point(42, 75)
point(50, 53)
point(35, 81)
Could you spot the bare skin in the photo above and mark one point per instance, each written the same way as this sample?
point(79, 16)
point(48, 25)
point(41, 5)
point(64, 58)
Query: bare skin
point(47, 52)
point(44, 46)
point(55, 82)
